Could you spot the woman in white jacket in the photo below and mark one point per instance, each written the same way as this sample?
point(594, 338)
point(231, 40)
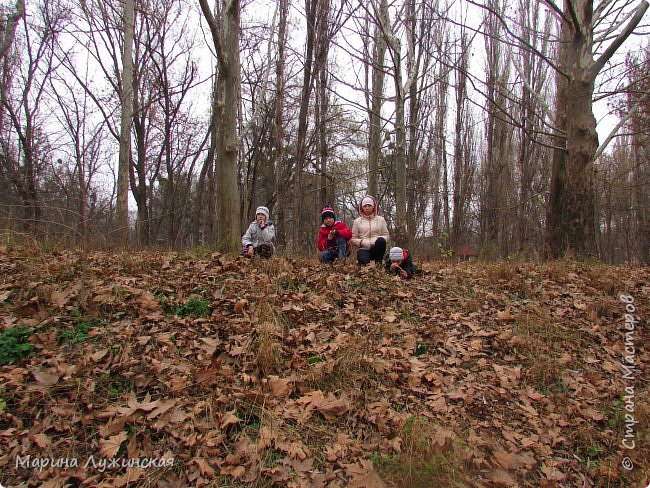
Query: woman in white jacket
point(369, 232)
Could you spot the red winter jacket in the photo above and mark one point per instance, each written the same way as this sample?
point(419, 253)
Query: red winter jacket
point(342, 230)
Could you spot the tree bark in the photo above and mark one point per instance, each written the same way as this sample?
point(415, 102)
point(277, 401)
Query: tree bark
point(374, 136)
point(571, 226)
point(226, 43)
point(126, 101)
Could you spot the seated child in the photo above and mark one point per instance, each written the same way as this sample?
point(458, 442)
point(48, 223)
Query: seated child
point(399, 262)
point(258, 239)
point(333, 237)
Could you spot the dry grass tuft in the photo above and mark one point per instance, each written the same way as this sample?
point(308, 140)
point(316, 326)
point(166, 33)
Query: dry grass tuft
point(347, 367)
point(557, 271)
point(429, 456)
point(501, 272)
point(267, 342)
point(541, 342)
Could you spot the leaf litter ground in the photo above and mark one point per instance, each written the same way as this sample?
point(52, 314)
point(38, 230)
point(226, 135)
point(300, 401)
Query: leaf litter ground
point(169, 369)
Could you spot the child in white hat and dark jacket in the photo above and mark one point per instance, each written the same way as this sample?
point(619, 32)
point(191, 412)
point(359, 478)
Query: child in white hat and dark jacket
point(399, 261)
point(258, 239)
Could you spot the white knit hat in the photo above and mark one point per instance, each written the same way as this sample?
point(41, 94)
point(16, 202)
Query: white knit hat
point(367, 201)
point(396, 254)
point(262, 210)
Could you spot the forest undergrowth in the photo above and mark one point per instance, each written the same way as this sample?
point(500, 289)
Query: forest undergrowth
point(203, 369)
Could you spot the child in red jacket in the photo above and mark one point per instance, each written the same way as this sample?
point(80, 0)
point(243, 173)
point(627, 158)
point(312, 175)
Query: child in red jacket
point(333, 237)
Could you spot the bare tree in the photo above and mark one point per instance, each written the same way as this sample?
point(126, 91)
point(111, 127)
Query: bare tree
point(279, 160)
point(496, 168)
point(463, 170)
point(378, 71)
point(571, 216)
point(225, 36)
point(24, 162)
point(126, 103)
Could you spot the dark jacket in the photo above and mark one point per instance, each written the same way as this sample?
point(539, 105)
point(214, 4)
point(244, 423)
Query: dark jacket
point(341, 229)
point(407, 264)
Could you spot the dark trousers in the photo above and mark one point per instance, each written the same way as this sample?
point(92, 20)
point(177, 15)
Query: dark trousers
point(375, 253)
point(265, 251)
point(330, 255)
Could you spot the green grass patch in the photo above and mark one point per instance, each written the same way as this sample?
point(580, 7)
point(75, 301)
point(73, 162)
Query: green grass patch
point(194, 307)
point(78, 333)
point(112, 386)
point(14, 344)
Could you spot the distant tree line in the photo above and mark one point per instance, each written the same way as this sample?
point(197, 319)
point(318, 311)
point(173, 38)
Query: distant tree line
point(166, 123)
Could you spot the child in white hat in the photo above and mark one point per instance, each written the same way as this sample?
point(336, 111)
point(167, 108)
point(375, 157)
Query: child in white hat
point(399, 262)
point(258, 239)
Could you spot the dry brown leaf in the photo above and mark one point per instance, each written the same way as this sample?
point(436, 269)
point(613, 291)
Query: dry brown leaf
point(98, 355)
point(390, 317)
point(240, 305)
point(204, 467)
point(580, 305)
point(109, 447)
point(45, 378)
point(229, 418)
point(162, 408)
point(363, 475)
point(234, 471)
point(59, 299)
point(502, 478)
point(553, 473)
point(505, 315)
point(148, 301)
point(506, 459)
point(280, 387)
point(133, 473)
point(331, 407)
point(42, 441)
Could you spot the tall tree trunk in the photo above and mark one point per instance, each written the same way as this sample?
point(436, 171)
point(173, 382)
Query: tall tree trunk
point(322, 105)
point(571, 212)
point(400, 137)
point(374, 137)
point(126, 100)
point(459, 193)
point(282, 171)
point(298, 218)
point(226, 42)
point(412, 152)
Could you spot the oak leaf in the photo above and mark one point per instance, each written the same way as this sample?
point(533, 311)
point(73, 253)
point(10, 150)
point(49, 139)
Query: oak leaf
point(229, 418)
point(109, 447)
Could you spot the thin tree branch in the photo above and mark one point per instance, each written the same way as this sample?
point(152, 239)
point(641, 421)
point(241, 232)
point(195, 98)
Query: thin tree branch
point(620, 39)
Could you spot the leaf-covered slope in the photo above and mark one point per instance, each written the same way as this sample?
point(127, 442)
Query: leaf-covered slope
point(216, 371)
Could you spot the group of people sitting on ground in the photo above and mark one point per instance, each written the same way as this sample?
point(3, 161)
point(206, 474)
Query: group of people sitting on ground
point(369, 235)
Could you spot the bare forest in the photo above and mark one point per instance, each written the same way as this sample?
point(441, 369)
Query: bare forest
point(167, 123)
point(507, 147)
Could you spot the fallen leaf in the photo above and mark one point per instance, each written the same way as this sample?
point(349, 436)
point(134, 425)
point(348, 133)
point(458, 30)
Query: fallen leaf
point(505, 315)
point(59, 299)
point(390, 317)
point(229, 418)
point(42, 441)
point(234, 471)
point(45, 378)
point(98, 355)
point(239, 306)
point(109, 447)
point(280, 387)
